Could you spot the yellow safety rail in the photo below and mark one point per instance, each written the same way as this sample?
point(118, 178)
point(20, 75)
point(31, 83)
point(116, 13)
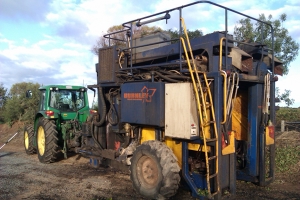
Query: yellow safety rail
point(204, 121)
point(225, 81)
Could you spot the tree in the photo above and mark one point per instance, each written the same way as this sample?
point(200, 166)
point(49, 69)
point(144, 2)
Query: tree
point(121, 38)
point(3, 96)
point(192, 34)
point(285, 48)
point(285, 97)
point(17, 106)
point(137, 32)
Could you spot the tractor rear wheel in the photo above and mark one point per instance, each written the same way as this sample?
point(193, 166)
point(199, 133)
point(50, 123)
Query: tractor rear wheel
point(47, 141)
point(154, 170)
point(28, 140)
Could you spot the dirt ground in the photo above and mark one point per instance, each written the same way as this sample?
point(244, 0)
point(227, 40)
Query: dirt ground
point(24, 177)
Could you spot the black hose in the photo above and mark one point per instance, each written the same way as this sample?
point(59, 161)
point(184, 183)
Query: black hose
point(167, 78)
point(103, 114)
point(178, 77)
point(93, 136)
point(112, 110)
point(139, 135)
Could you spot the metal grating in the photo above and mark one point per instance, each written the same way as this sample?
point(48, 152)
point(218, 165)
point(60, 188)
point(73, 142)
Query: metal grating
point(106, 65)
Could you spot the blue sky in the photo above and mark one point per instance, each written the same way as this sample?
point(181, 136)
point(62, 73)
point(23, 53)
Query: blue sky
point(49, 41)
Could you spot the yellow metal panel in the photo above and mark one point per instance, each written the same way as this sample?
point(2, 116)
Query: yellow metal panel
point(240, 115)
point(193, 147)
point(147, 134)
point(231, 147)
point(176, 148)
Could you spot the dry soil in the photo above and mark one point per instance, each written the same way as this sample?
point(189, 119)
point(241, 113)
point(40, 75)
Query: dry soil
point(24, 177)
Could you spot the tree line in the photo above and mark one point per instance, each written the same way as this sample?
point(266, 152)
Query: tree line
point(14, 106)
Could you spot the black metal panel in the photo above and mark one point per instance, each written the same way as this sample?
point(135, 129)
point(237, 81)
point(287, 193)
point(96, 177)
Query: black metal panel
point(108, 64)
point(143, 103)
point(209, 43)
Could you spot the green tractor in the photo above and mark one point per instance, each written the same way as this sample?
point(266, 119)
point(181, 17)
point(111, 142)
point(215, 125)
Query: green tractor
point(58, 123)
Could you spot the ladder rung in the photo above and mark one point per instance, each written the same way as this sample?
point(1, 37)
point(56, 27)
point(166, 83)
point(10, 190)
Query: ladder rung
point(213, 157)
point(213, 175)
point(211, 140)
point(206, 105)
point(214, 194)
point(210, 122)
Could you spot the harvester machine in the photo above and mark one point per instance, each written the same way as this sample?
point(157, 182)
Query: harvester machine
point(200, 110)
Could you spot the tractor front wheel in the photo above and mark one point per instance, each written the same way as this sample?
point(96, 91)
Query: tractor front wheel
point(47, 141)
point(28, 140)
point(154, 170)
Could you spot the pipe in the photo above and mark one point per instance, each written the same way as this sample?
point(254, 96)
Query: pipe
point(93, 136)
point(167, 78)
point(102, 101)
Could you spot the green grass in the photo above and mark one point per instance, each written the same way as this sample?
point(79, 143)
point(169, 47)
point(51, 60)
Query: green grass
point(286, 157)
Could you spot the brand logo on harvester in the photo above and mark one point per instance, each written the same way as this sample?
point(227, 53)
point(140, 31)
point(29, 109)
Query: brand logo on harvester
point(145, 95)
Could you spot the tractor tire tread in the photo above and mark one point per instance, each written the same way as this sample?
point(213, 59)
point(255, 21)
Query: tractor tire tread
point(170, 168)
point(51, 142)
point(30, 131)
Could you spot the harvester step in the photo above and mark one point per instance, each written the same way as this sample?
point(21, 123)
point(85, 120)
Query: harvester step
point(208, 105)
point(212, 157)
point(213, 175)
point(210, 122)
point(211, 140)
point(214, 194)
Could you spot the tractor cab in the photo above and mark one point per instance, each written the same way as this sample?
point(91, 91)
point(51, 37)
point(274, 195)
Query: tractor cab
point(62, 102)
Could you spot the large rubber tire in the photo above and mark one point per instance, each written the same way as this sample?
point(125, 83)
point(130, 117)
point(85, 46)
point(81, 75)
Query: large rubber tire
point(154, 170)
point(28, 140)
point(47, 141)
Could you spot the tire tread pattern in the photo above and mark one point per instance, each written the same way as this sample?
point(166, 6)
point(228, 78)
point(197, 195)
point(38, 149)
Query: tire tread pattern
point(51, 142)
point(170, 168)
point(30, 131)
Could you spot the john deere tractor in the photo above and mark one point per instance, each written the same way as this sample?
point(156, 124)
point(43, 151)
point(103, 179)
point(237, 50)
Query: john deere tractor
point(56, 127)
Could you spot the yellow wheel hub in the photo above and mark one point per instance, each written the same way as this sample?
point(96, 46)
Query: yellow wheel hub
point(41, 140)
point(26, 140)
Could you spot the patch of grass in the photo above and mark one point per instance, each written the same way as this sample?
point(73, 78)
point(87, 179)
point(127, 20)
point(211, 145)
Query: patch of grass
point(202, 192)
point(286, 156)
point(287, 114)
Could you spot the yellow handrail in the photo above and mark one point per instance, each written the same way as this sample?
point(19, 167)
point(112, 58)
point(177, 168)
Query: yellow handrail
point(223, 73)
point(225, 81)
point(193, 80)
point(221, 49)
point(195, 68)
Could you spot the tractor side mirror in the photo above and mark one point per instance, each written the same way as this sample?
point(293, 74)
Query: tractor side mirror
point(28, 94)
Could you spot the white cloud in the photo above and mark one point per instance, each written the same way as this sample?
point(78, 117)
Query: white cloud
point(38, 65)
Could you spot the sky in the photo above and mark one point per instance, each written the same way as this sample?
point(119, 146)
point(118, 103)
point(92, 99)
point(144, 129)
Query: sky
point(50, 41)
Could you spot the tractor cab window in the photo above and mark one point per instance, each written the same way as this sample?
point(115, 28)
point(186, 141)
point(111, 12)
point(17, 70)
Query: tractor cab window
point(42, 100)
point(67, 100)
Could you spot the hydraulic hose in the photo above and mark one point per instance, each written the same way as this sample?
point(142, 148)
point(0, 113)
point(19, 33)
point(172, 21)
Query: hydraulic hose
point(93, 136)
point(167, 78)
point(103, 114)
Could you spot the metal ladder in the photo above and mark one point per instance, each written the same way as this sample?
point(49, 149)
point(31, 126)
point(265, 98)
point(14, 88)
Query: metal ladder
point(203, 105)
